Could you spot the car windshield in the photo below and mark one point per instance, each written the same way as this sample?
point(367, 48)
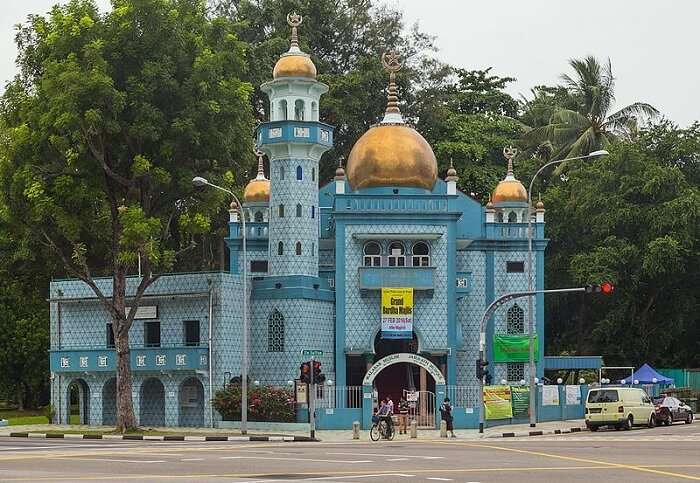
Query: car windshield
point(659, 400)
point(603, 396)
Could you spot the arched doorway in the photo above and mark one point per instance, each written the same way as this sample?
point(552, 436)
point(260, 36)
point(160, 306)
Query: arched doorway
point(191, 403)
point(394, 380)
point(423, 407)
point(152, 411)
point(78, 402)
point(109, 402)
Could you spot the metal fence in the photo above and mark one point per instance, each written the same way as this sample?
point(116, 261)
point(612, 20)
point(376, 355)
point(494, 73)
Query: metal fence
point(331, 397)
point(463, 396)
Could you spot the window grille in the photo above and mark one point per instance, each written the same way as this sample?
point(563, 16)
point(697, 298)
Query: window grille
point(275, 332)
point(397, 255)
point(421, 255)
point(372, 254)
point(515, 371)
point(515, 320)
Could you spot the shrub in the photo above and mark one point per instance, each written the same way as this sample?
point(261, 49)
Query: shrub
point(265, 403)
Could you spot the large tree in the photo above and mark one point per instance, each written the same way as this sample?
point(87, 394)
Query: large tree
point(584, 122)
point(632, 218)
point(110, 117)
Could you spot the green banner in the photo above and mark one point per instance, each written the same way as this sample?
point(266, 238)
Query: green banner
point(497, 402)
point(521, 401)
point(513, 348)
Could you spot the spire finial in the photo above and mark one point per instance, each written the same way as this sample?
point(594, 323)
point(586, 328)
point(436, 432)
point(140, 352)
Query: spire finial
point(509, 153)
point(451, 172)
point(294, 20)
point(261, 168)
point(340, 171)
point(392, 64)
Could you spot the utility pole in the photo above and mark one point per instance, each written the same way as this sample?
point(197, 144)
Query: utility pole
point(312, 402)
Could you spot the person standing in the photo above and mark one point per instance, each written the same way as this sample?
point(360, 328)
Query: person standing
point(403, 415)
point(446, 415)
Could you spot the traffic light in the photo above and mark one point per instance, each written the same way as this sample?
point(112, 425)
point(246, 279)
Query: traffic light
point(605, 288)
point(319, 377)
point(481, 368)
point(305, 372)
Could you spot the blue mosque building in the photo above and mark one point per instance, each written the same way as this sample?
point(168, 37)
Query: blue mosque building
point(386, 271)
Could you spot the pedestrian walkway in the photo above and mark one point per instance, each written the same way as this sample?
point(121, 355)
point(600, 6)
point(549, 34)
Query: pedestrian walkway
point(331, 435)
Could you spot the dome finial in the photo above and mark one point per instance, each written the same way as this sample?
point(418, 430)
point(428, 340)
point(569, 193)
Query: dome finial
point(391, 63)
point(294, 20)
point(261, 168)
point(340, 171)
point(451, 173)
point(509, 153)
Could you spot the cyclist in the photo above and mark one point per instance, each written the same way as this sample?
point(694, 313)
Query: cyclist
point(384, 414)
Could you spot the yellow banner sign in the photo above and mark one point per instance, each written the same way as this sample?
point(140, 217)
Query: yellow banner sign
point(397, 313)
point(497, 402)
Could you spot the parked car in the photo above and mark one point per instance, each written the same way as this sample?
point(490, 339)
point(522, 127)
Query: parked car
point(668, 409)
point(619, 407)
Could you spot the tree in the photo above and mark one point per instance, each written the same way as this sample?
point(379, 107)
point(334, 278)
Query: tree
point(589, 126)
point(107, 122)
point(641, 231)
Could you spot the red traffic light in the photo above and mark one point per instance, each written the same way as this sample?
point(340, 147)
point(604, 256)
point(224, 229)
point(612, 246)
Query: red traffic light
point(607, 288)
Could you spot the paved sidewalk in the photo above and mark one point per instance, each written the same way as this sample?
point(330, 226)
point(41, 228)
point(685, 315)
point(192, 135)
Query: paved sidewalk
point(512, 430)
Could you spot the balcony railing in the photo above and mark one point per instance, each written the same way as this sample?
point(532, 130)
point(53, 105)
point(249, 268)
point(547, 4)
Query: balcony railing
point(295, 131)
point(375, 278)
point(142, 359)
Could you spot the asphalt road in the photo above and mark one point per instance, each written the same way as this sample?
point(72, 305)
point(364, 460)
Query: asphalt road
point(641, 455)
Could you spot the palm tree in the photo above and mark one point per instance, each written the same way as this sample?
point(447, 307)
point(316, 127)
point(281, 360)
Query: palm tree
point(589, 127)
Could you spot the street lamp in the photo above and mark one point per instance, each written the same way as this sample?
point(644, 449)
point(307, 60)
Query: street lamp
point(199, 181)
point(531, 335)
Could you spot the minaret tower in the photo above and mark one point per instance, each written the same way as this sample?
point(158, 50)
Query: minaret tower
point(294, 141)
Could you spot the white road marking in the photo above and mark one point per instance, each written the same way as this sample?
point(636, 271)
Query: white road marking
point(120, 461)
point(440, 479)
point(397, 459)
point(403, 475)
point(389, 455)
point(292, 459)
point(192, 459)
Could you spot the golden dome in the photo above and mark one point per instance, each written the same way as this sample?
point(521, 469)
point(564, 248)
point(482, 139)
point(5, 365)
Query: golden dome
point(258, 190)
point(509, 190)
point(296, 65)
point(392, 155)
point(540, 205)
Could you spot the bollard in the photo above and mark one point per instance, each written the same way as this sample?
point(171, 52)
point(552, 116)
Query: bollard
point(414, 429)
point(443, 429)
point(355, 430)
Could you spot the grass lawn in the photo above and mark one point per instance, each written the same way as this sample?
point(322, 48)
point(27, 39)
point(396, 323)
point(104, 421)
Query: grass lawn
point(30, 416)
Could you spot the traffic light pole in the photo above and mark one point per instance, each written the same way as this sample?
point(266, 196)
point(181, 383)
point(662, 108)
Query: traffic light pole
point(312, 402)
point(482, 337)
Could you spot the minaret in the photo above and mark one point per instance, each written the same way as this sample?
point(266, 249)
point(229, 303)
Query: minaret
point(294, 141)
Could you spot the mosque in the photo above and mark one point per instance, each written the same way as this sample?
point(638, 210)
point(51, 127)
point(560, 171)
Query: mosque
point(384, 273)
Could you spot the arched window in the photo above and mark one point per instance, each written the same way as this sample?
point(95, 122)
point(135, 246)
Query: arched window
point(499, 217)
point(281, 173)
point(275, 332)
point(372, 252)
point(299, 110)
point(421, 255)
point(247, 216)
point(314, 111)
point(298, 248)
point(512, 217)
point(282, 111)
point(397, 254)
point(258, 217)
point(280, 211)
point(300, 173)
point(298, 210)
point(313, 249)
point(280, 248)
point(313, 174)
point(515, 320)
point(313, 211)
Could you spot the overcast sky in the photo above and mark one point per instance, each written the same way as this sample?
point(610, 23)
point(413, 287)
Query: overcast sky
point(652, 43)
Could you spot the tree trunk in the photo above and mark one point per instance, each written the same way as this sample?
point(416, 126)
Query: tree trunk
point(20, 397)
point(125, 406)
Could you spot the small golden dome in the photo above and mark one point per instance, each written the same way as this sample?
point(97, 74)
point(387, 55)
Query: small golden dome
point(258, 189)
point(392, 155)
point(340, 171)
point(540, 205)
point(509, 190)
point(452, 172)
point(295, 65)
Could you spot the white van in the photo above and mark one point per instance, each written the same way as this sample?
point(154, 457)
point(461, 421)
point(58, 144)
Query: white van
point(619, 407)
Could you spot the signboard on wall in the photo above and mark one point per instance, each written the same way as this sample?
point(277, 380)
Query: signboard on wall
point(397, 313)
point(521, 401)
point(144, 312)
point(497, 402)
point(513, 348)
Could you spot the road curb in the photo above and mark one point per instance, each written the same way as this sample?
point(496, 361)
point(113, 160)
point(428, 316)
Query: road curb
point(167, 437)
point(539, 432)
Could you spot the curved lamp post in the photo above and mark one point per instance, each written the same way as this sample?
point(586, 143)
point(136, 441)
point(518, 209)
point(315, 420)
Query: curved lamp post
point(531, 335)
point(199, 181)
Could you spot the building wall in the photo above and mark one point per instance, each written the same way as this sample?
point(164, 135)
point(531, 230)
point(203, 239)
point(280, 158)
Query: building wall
point(362, 311)
point(291, 229)
point(470, 309)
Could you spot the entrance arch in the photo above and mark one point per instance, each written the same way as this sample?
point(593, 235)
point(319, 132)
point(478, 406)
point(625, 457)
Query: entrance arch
point(78, 402)
point(392, 359)
point(152, 400)
point(191, 403)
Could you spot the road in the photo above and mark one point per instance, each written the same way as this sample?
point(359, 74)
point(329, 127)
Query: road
point(640, 455)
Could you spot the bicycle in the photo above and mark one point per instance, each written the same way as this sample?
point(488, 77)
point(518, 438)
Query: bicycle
point(381, 429)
